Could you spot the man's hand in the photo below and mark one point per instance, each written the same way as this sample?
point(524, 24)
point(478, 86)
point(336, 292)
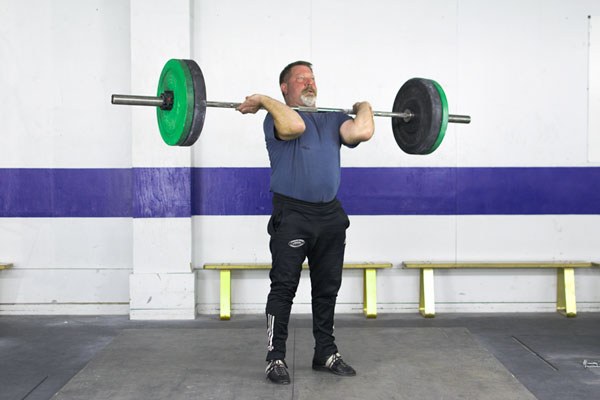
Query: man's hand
point(288, 123)
point(251, 105)
point(362, 106)
point(361, 128)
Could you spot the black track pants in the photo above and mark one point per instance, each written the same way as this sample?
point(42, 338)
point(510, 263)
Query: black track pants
point(301, 230)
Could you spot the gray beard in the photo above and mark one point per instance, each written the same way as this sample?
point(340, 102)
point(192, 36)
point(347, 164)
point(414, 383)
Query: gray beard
point(308, 100)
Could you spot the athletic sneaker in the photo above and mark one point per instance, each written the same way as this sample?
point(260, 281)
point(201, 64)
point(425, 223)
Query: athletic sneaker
point(336, 365)
point(277, 372)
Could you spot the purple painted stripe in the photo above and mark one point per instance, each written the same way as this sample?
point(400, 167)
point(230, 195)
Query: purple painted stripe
point(162, 192)
point(366, 191)
point(137, 193)
point(416, 191)
point(398, 191)
point(181, 192)
point(65, 193)
point(528, 191)
point(231, 191)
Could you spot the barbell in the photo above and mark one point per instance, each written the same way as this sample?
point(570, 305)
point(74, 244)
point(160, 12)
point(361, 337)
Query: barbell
point(419, 117)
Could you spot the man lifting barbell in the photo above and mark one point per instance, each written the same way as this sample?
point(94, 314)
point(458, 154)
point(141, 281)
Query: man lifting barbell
point(307, 220)
point(303, 143)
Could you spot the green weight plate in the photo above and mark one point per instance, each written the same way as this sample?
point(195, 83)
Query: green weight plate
point(420, 134)
point(445, 115)
point(175, 124)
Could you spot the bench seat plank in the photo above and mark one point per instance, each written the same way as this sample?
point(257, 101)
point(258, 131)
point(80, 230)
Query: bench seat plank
point(257, 266)
point(507, 265)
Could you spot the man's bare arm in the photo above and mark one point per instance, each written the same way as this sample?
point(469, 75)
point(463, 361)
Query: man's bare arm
point(288, 123)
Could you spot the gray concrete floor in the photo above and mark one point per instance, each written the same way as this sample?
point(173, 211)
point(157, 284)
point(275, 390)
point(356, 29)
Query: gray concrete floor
point(40, 354)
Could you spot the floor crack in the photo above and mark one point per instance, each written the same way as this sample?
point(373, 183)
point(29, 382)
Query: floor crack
point(529, 349)
point(35, 387)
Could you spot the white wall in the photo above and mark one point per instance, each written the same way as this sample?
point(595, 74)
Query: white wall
point(60, 61)
point(594, 89)
point(519, 68)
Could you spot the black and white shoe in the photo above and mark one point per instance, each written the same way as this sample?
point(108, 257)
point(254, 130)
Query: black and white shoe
point(277, 372)
point(336, 365)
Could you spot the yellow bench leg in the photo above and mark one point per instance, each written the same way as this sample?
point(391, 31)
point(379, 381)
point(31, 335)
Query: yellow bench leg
point(426, 295)
point(225, 294)
point(565, 296)
point(370, 293)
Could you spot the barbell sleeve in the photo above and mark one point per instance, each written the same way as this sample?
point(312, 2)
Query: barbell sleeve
point(130, 100)
point(459, 119)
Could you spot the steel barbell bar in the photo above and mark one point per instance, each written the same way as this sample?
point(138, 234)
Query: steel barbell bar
point(160, 101)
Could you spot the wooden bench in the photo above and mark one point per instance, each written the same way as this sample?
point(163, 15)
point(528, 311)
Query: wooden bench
point(565, 293)
point(369, 283)
point(5, 265)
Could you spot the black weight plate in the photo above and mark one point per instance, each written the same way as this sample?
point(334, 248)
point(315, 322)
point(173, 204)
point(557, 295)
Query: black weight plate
point(199, 103)
point(420, 134)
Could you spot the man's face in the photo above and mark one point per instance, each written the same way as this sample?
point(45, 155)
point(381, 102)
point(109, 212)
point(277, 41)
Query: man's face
point(300, 88)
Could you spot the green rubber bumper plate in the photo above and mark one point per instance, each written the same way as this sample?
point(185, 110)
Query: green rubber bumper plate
point(445, 114)
point(175, 124)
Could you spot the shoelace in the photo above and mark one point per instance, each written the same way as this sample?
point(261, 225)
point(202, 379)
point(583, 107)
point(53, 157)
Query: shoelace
point(333, 359)
point(277, 365)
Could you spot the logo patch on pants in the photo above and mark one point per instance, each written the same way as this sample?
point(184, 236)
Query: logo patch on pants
point(296, 243)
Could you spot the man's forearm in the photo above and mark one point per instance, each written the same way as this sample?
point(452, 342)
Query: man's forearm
point(288, 123)
point(361, 128)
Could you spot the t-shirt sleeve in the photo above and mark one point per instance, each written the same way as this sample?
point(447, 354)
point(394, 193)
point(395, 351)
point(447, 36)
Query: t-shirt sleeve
point(269, 127)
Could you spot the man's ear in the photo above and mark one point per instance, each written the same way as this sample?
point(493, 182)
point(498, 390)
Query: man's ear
point(284, 89)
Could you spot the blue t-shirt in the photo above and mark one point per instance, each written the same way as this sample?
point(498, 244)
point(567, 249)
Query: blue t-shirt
point(308, 167)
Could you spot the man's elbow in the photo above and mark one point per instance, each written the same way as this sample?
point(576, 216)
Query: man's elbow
point(365, 134)
point(291, 131)
point(297, 128)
